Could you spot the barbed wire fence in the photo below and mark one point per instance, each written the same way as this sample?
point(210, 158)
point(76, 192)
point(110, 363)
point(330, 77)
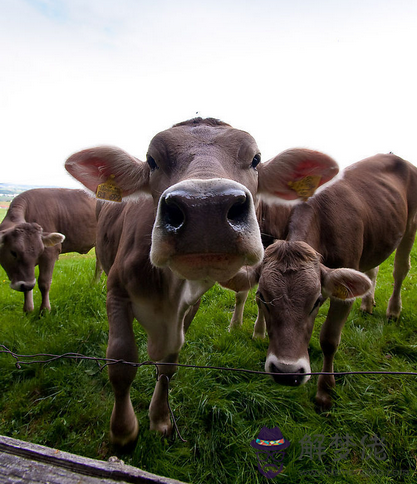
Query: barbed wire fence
point(102, 363)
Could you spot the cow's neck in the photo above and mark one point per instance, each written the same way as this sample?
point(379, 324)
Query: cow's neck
point(304, 225)
point(16, 213)
point(273, 222)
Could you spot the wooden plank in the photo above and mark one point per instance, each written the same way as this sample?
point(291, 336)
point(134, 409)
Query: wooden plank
point(22, 462)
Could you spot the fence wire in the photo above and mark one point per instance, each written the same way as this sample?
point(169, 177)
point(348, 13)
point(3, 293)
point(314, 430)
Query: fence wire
point(47, 358)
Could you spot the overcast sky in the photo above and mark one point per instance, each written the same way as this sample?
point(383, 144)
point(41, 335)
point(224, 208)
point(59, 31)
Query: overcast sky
point(336, 76)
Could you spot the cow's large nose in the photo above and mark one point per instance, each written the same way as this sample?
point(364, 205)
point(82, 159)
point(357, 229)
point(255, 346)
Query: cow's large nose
point(180, 207)
point(206, 229)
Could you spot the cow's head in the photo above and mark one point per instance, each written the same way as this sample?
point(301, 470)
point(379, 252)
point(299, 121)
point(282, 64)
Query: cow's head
point(20, 249)
point(203, 176)
point(293, 285)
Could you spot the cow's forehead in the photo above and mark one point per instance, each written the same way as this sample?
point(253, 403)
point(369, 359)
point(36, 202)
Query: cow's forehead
point(188, 139)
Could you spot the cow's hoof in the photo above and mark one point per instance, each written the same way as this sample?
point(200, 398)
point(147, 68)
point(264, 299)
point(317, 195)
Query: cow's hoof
point(323, 402)
point(393, 315)
point(234, 325)
point(125, 442)
point(164, 428)
point(394, 309)
point(258, 335)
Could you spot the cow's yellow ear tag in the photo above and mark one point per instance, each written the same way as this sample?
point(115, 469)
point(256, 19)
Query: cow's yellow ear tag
point(109, 190)
point(305, 187)
point(341, 292)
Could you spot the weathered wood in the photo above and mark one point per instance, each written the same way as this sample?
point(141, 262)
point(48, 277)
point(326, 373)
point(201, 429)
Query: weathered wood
point(22, 462)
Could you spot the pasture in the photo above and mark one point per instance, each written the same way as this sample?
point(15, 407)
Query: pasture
point(368, 436)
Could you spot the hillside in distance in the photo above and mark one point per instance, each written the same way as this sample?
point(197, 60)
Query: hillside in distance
point(9, 190)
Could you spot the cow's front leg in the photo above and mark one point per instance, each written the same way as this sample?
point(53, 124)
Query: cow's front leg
point(159, 414)
point(368, 301)
point(124, 426)
point(28, 301)
point(329, 341)
point(46, 268)
point(259, 329)
point(44, 289)
point(237, 318)
point(402, 265)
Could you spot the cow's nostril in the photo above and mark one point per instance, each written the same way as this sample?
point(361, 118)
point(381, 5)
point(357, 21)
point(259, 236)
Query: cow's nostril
point(172, 215)
point(238, 212)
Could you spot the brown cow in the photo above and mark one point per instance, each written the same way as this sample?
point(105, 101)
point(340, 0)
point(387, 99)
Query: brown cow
point(163, 252)
point(39, 225)
point(353, 225)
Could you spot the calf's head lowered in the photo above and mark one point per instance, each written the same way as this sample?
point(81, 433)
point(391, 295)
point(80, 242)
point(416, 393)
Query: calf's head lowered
point(292, 287)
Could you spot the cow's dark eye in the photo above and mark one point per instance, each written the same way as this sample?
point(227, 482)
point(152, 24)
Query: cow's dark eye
point(256, 160)
point(261, 299)
point(13, 254)
point(152, 163)
point(317, 304)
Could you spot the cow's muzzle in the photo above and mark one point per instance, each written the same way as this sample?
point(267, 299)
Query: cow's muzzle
point(299, 368)
point(23, 286)
point(206, 224)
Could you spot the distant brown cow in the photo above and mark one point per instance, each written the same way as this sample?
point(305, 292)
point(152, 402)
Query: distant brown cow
point(39, 225)
point(162, 253)
point(352, 225)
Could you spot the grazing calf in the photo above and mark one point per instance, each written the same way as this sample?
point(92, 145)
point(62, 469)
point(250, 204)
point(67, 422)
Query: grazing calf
point(163, 252)
point(353, 225)
point(39, 225)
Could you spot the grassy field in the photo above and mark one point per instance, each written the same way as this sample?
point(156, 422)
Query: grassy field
point(3, 211)
point(368, 436)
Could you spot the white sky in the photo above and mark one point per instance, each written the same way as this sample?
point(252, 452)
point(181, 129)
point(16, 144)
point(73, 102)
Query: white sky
point(336, 76)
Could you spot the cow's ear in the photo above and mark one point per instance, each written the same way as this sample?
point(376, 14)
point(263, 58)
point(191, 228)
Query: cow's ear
point(52, 238)
point(108, 164)
point(344, 283)
point(295, 174)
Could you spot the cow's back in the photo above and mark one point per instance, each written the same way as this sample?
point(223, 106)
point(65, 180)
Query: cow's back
point(365, 213)
point(70, 212)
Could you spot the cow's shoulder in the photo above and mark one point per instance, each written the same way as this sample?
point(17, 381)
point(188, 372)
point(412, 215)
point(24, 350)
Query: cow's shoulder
point(124, 232)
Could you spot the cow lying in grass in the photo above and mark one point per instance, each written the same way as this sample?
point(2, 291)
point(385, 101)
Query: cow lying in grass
point(163, 252)
point(353, 225)
point(39, 225)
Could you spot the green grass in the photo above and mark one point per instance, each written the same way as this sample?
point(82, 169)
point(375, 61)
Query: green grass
point(67, 404)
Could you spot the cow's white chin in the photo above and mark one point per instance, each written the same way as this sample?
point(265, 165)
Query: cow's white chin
point(217, 267)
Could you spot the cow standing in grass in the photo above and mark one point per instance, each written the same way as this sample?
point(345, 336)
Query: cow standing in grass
point(163, 252)
point(353, 225)
point(39, 225)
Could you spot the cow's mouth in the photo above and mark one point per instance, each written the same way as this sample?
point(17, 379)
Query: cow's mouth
point(218, 267)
